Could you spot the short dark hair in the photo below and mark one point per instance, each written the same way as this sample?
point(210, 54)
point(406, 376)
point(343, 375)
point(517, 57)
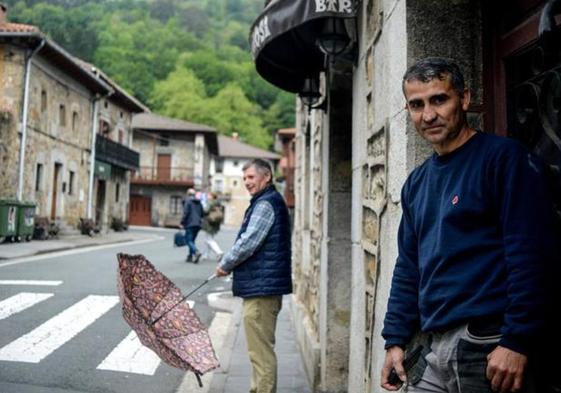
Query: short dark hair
point(430, 68)
point(262, 166)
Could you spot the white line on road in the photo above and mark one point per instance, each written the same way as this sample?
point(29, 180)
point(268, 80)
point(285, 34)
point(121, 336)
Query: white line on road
point(20, 302)
point(41, 342)
point(76, 251)
point(131, 356)
point(31, 282)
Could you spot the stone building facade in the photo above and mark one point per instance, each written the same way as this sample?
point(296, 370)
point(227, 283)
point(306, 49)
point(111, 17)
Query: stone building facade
point(71, 113)
point(174, 155)
point(355, 149)
point(58, 123)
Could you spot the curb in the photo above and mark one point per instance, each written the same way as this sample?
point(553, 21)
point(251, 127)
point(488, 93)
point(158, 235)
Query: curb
point(66, 248)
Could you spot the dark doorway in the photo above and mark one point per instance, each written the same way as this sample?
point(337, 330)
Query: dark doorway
point(56, 182)
point(100, 203)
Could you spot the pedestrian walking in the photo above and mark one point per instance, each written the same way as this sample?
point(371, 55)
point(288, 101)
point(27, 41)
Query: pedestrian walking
point(191, 222)
point(474, 241)
point(260, 260)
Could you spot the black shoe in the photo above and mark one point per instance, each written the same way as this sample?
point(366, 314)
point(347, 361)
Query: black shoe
point(197, 257)
point(189, 259)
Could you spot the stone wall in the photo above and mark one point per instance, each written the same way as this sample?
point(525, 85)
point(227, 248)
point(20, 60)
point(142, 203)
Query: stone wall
point(11, 85)
point(58, 136)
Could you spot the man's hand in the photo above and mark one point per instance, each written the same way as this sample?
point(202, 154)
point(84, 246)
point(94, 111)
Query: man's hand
point(220, 272)
point(394, 359)
point(505, 369)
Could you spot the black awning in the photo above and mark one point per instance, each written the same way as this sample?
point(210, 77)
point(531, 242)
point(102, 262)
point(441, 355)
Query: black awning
point(283, 39)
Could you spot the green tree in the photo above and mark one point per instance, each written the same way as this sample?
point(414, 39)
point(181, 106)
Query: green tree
point(181, 95)
point(233, 112)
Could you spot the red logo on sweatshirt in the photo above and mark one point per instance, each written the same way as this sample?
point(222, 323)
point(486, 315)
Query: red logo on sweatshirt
point(455, 200)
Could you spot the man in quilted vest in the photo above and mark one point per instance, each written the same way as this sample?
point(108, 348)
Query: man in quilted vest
point(260, 260)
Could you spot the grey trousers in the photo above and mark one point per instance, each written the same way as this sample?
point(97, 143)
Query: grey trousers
point(455, 362)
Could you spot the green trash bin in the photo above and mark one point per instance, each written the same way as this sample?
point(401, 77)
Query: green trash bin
point(8, 219)
point(26, 220)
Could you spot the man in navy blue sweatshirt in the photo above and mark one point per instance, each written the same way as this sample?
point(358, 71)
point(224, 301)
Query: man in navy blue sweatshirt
point(474, 240)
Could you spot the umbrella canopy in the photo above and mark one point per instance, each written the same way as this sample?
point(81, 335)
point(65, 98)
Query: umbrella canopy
point(153, 306)
point(283, 39)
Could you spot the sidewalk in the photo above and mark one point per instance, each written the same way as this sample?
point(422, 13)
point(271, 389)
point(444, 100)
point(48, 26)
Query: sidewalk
point(36, 247)
point(235, 375)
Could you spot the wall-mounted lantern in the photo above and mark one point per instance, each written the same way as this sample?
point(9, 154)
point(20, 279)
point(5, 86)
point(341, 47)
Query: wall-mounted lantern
point(310, 93)
point(333, 39)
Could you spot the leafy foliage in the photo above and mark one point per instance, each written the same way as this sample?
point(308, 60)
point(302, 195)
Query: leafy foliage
point(186, 58)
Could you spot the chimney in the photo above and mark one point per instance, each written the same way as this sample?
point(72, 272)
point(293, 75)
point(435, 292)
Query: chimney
point(3, 13)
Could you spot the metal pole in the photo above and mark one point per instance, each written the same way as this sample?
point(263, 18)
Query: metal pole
point(92, 155)
point(24, 120)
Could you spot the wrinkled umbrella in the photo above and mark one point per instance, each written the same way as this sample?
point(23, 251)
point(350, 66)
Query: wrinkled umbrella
point(156, 310)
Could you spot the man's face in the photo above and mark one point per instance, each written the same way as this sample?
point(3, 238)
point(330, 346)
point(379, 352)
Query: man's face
point(254, 180)
point(437, 110)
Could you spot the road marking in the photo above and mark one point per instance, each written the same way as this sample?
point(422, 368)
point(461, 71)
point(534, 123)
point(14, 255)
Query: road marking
point(130, 356)
point(31, 282)
point(80, 250)
point(41, 342)
point(20, 302)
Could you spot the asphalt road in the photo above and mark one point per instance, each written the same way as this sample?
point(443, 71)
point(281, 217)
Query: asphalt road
point(65, 332)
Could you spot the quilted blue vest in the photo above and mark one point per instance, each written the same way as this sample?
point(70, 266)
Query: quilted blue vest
point(268, 271)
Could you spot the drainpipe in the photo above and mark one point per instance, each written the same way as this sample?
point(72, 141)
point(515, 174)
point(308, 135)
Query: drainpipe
point(24, 119)
point(95, 120)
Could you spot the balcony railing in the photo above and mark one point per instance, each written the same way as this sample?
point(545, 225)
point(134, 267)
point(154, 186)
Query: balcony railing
point(115, 153)
point(162, 175)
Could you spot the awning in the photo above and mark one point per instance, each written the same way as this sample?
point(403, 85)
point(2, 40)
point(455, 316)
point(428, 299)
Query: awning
point(283, 39)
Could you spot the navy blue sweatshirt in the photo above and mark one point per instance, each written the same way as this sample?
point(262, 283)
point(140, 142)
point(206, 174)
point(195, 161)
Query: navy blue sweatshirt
point(473, 241)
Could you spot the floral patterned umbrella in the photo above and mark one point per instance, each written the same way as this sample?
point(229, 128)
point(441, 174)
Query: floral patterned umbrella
point(155, 308)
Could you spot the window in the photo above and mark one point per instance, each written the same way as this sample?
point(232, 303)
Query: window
point(106, 104)
point(117, 191)
point(38, 177)
point(218, 185)
point(121, 114)
point(236, 163)
point(43, 100)
point(164, 140)
point(71, 177)
point(219, 165)
point(74, 121)
point(121, 136)
point(234, 183)
point(62, 115)
point(104, 128)
point(175, 206)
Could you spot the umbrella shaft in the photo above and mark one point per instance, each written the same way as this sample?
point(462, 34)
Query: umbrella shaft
point(179, 302)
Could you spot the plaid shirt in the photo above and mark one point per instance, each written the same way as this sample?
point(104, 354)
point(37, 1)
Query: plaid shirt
point(260, 223)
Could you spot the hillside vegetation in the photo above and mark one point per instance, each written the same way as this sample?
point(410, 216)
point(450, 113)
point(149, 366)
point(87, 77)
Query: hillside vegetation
point(187, 59)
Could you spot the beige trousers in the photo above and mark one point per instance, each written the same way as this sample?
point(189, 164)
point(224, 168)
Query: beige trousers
point(260, 320)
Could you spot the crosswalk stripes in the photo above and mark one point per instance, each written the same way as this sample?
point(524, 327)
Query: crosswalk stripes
point(39, 343)
point(128, 356)
point(49, 283)
point(20, 302)
point(132, 357)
